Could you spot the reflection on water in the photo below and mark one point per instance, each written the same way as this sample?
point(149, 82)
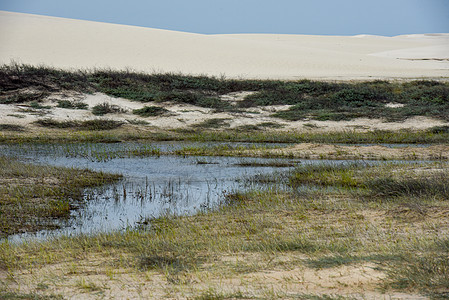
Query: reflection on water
point(151, 186)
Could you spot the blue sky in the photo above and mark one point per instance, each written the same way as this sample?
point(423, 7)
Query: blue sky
point(327, 17)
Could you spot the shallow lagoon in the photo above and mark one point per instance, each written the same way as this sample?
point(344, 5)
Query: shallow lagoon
point(151, 186)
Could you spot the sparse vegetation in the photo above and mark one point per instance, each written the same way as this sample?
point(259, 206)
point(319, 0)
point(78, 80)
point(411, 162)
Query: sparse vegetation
point(213, 123)
point(310, 99)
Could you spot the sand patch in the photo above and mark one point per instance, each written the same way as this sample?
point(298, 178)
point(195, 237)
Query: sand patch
point(95, 278)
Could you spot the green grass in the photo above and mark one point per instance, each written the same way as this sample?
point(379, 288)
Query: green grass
point(37, 105)
point(342, 175)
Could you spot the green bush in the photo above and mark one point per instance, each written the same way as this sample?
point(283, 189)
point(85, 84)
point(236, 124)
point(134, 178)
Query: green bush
point(149, 111)
point(106, 108)
point(83, 125)
point(72, 104)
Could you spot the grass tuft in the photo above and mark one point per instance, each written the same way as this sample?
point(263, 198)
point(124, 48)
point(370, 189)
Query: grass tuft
point(150, 111)
point(72, 104)
point(433, 185)
point(106, 108)
point(81, 125)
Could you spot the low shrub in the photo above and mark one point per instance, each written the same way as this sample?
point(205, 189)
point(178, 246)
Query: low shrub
point(106, 108)
point(11, 127)
point(82, 125)
point(150, 111)
point(72, 104)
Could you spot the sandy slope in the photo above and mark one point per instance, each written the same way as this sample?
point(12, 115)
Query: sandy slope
point(71, 43)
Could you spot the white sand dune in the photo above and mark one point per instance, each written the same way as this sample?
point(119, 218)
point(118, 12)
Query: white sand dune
point(68, 43)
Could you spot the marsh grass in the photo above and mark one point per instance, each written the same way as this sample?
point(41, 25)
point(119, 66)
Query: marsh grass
point(343, 137)
point(434, 185)
point(260, 126)
point(33, 196)
point(342, 175)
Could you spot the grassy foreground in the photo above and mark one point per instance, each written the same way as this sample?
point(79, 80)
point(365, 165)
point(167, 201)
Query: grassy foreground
point(386, 226)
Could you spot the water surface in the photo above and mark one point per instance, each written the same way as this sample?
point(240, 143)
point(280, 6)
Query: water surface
point(151, 186)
